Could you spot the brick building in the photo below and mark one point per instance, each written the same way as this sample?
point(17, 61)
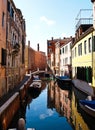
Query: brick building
point(3, 15)
point(16, 38)
point(51, 51)
point(29, 58)
point(12, 45)
point(34, 60)
point(40, 60)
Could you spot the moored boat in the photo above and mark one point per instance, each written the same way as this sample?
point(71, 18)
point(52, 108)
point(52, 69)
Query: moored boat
point(34, 89)
point(83, 86)
point(65, 79)
point(36, 78)
point(64, 82)
point(35, 84)
point(88, 106)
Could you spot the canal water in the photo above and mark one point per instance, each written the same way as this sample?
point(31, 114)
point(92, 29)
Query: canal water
point(53, 107)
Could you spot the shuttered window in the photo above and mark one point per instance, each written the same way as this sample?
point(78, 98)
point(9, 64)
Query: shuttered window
point(3, 62)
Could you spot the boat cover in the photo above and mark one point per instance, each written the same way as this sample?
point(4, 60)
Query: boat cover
point(88, 103)
point(63, 77)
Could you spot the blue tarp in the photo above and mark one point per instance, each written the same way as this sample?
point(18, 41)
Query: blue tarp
point(89, 103)
point(63, 77)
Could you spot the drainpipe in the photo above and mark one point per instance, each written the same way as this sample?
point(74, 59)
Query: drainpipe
point(92, 56)
point(93, 1)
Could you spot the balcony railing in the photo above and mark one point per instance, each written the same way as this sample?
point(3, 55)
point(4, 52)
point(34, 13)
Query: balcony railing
point(16, 48)
point(84, 17)
point(84, 21)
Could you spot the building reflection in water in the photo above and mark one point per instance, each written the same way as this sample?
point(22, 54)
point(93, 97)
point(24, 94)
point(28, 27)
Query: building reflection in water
point(66, 103)
point(80, 119)
point(59, 99)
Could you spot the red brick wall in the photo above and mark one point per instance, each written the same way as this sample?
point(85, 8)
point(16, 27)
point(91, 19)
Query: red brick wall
point(36, 59)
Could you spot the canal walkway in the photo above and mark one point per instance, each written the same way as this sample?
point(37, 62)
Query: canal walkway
point(4, 98)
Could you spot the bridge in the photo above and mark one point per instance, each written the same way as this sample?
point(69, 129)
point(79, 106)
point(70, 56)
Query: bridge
point(38, 72)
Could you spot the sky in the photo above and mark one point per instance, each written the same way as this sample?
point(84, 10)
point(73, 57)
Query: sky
point(50, 18)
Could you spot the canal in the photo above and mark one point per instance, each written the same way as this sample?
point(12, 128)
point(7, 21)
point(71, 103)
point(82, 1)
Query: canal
point(52, 107)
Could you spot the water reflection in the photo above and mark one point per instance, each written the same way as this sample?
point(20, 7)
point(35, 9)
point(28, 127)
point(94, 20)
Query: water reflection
point(55, 108)
point(59, 99)
point(79, 117)
point(50, 110)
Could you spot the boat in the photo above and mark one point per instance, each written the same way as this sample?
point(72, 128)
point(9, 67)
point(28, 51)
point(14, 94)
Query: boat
point(83, 86)
point(36, 78)
point(88, 106)
point(79, 94)
point(35, 84)
point(64, 82)
point(63, 79)
point(34, 93)
point(35, 89)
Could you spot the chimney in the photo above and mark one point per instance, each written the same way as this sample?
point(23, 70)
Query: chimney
point(28, 43)
point(38, 47)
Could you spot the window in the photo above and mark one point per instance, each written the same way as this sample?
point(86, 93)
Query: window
point(12, 12)
point(75, 51)
point(3, 62)
point(85, 50)
point(49, 44)
point(89, 45)
point(63, 49)
point(63, 61)
point(52, 63)
point(66, 60)
point(60, 51)
point(8, 7)
point(70, 60)
point(3, 15)
point(66, 49)
point(72, 53)
point(80, 49)
point(50, 50)
point(94, 43)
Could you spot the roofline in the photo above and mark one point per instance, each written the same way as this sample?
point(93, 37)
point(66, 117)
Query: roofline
point(91, 29)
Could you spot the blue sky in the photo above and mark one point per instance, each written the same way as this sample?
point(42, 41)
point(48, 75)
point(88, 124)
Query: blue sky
point(50, 18)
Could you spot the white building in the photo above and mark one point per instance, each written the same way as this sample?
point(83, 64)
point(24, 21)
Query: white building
point(52, 66)
point(57, 58)
point(65, 58)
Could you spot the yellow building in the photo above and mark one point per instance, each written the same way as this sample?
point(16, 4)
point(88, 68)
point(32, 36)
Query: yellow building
point(83, 51)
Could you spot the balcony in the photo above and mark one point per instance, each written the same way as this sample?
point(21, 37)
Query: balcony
point(16, 49)
point(84, 17)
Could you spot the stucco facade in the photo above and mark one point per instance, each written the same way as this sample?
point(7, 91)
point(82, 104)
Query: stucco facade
point(16, 39)
point(3, 15)
point(83, 54)
point(12, 46)
point(65, 59)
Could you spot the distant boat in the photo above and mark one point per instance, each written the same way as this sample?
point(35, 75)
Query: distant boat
point(35, 84)
point(64, 79)
point(88, 106)
point(36, 78)
point(64, 82)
